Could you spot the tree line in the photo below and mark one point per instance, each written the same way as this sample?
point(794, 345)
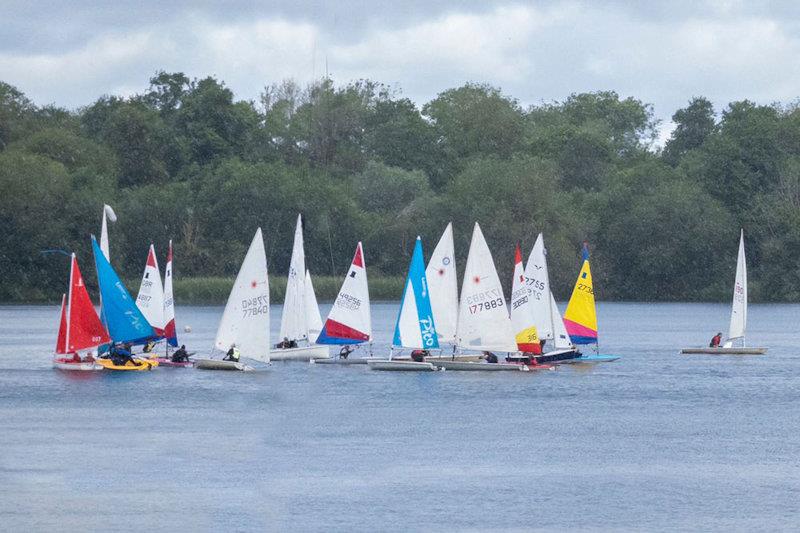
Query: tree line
point(188, 161)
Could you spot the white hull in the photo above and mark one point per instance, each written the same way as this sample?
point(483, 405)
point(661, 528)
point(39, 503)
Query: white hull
point(724, 351)
point(218, 364)
point(348, 361)
point(81, 367)
point(401, 366)
point(480, 367)
point(444, 357)
point(301, 353)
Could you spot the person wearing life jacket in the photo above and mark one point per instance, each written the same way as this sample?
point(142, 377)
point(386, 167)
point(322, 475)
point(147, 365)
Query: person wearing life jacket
point(715, 340)
point(345, 351)
point(490, 357)
point(75, 358)
point(180, 355)
point(419, 355)
point(232, 355)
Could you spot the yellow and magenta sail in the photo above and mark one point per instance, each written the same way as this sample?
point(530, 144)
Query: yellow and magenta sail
point(580, 318)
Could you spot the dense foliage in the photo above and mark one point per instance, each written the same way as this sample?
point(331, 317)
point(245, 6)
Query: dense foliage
point(187, 161)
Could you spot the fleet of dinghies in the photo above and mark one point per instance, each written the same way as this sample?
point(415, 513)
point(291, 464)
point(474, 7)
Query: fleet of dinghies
point(436, 328)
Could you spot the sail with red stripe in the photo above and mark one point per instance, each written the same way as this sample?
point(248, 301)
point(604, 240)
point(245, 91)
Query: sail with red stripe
point(150, 299)
point(169, 302)
point(522, 317)
point(349, 321)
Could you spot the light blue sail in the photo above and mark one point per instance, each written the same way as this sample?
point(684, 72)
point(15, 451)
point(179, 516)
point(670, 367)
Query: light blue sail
point(124, 320)
point(415, 327)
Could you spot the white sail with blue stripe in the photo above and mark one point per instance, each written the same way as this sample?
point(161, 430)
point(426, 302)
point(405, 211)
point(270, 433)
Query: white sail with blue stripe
point(415, 326)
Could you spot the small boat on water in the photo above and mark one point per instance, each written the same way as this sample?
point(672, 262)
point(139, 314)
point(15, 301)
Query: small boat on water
point(300, 320)
point(483, 323)
point(349, 322)
point(415, 328)
point(738, 324)
point(125, 322)
point(245, 320)
point(580, 317)
point(80, 329)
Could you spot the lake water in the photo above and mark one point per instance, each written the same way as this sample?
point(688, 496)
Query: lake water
point(655, 441)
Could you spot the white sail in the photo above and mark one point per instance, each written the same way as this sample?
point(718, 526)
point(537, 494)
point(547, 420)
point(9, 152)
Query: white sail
point(150, 299)
point(169, 301)
point(560, 334)
point(443, 286)
point(108, 212)
point(525, 328)
point(313, 318)
point(349, 321)
point(739, 307)
point(483, 321)
point(294, 324)
point(538, 283)
point(245, 321)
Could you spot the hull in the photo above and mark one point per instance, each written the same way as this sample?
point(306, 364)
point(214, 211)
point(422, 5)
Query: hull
point(483, 367)
point(724, 351)
point(218, 364)
point(444, 357)
point(349, 361)
point(301, 353)
point(144, 365)
point(558, 356)
point(401, 366)
point(588, 359)
point(61, 364)
point(163, 361)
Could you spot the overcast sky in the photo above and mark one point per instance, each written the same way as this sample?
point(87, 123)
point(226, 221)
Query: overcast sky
point(73, 51)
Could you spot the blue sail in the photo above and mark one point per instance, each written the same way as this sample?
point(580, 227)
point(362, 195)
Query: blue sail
point(415, 327)
point(124, 320)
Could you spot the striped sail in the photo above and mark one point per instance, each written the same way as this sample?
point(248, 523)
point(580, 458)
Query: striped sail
point(415, 326)
point(349, 321)
point(580, 317)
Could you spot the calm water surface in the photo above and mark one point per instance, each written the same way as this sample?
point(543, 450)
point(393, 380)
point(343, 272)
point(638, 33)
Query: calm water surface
point(653, 441)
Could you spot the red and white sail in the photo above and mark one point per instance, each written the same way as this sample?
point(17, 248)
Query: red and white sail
point(80, 327)
point(349, 321)
point(522, 310)
point(150, 300)
point(169, 302)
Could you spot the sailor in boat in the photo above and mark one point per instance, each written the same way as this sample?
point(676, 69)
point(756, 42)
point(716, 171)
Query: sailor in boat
point(75, 358)
point(419, 355)
point(715, 340)
point(345, 351)
point(180, 355)
point(121, 355)
point(490, 357)
point(232, 355)
point(286, 343)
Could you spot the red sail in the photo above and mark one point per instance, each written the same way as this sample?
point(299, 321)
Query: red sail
point(85, 328)
point(61, 343)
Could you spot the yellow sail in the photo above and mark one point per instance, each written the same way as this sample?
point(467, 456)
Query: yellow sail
point(580, 318)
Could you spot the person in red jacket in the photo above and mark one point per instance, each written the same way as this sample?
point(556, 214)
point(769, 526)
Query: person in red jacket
point(715, 340)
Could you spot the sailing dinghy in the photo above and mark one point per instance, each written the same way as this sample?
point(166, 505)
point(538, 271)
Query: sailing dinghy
point(245, 321)
point(80, 328)
point(483, 323)
point(299, 314)
point(150, 299)
point(125, 322)
point(415, 328)
point(170, 333)
point(580, 318)
point(736, 330)
point(349, 321)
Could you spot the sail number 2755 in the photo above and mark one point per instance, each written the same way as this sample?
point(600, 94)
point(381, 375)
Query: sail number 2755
point(484, 306)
